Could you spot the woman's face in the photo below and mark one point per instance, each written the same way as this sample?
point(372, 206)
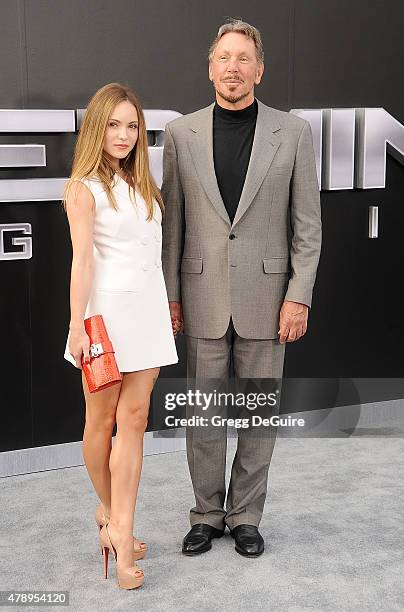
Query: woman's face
point(122, 132)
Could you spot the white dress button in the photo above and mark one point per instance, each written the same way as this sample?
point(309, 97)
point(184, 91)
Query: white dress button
point(144, 240)
point(158, 263)
point(145, 266)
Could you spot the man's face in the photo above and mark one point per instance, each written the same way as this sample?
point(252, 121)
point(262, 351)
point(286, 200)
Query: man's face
point(234, 68)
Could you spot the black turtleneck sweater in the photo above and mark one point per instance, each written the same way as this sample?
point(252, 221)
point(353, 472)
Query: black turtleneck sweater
point(233, 135)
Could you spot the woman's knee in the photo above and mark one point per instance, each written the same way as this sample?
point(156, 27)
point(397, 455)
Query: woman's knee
point(100, 420)
point(133, 416)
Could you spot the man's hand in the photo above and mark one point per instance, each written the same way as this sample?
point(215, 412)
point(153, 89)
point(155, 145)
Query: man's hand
point(176, 316)
point(292, 321)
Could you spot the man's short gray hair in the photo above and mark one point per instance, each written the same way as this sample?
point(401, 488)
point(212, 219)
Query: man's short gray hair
point(241, 27)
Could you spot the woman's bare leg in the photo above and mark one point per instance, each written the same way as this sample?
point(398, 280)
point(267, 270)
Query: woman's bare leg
point(127, 457)
point(100, 420)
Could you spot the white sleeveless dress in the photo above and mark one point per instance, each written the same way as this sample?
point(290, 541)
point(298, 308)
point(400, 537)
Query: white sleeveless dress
point(128, 288)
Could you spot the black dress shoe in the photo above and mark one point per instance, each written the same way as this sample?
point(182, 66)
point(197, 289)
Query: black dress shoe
point(199, 539)
point(249, 541)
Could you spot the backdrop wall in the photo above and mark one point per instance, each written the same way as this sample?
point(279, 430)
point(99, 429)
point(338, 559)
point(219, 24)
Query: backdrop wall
point(318, 54)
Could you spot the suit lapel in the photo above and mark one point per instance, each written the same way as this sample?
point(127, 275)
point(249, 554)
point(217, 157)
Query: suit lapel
point(265, 145)
point(201, 148)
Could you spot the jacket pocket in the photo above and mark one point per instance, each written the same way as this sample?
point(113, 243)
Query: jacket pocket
point(191, 265)
point(276, 265)
point(286, 170)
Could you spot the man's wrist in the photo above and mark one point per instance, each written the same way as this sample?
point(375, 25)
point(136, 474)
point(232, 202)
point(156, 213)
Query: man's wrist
point(294, 302)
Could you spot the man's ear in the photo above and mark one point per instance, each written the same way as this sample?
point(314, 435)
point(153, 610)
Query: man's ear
point(210, 73)
point(259, 73)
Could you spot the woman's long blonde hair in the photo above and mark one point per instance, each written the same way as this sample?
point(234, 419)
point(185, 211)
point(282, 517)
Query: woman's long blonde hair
point(89, 157)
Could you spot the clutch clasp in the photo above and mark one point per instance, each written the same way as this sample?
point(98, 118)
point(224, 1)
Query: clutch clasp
point(96, 349)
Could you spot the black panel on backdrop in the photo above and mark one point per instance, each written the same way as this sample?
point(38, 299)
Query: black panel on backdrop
point(357, 314)
point(15, 333)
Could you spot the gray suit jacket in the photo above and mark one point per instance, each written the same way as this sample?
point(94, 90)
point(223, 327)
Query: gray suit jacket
point(269, 253)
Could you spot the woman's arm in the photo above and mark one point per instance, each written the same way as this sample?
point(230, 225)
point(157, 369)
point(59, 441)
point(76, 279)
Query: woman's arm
point(80, 208)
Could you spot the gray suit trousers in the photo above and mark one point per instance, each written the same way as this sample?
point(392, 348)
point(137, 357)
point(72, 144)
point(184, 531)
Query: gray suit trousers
point(220, 359)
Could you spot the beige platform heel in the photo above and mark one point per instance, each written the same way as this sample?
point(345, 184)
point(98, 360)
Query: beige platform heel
point(139, 548)
point(128, 578)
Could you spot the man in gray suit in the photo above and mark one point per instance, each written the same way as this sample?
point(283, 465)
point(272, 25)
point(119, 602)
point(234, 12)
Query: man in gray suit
point(241, 244)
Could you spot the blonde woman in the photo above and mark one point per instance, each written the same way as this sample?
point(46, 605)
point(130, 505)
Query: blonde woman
point(115, 210)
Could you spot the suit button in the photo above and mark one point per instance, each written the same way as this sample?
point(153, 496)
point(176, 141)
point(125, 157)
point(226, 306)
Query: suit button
point(232, 237)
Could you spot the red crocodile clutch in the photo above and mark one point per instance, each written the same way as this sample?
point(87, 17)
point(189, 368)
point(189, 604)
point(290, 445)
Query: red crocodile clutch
point(102, 370)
